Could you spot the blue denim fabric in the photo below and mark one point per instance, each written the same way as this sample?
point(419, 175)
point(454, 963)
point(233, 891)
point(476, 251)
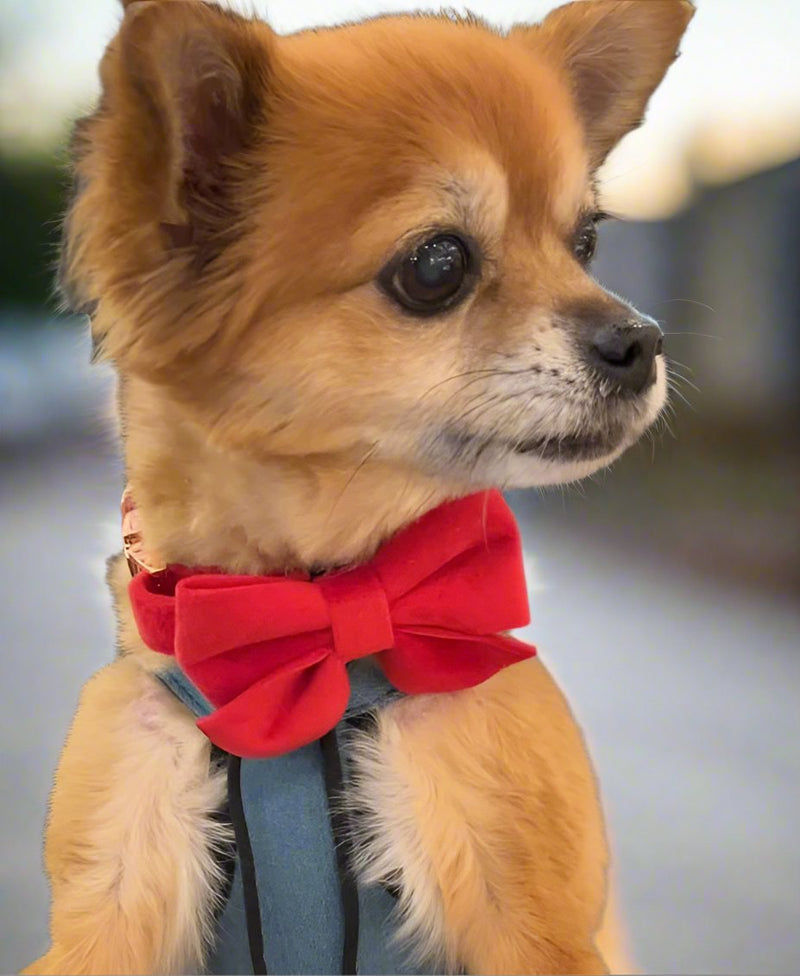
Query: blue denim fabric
point(286, 810)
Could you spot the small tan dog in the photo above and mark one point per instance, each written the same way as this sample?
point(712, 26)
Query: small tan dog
point(343, 277)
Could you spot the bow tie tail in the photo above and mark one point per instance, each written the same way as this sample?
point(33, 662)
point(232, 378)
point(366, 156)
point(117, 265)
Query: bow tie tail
point(427, 659)
point(282, 711)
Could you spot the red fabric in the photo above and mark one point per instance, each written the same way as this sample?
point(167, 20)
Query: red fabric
point(270, 652)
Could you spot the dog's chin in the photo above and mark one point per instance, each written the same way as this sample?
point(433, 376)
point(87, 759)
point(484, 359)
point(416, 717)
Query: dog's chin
point(499, 459)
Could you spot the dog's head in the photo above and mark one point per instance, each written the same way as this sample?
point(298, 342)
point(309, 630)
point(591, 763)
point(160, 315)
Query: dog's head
point(374, 240)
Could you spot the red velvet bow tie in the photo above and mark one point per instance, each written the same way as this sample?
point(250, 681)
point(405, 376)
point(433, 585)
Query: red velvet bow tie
point(270, 652)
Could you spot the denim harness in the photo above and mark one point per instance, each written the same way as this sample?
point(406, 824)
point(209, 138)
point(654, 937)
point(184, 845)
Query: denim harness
point(294, 906)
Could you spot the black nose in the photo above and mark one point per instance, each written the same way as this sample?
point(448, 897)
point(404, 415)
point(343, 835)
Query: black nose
point(626, 354)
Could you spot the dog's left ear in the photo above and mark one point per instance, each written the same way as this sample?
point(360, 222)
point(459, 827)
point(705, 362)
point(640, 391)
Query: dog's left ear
point(615, 54)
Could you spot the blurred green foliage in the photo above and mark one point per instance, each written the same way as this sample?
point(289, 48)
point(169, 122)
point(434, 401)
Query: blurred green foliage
point(33, 196)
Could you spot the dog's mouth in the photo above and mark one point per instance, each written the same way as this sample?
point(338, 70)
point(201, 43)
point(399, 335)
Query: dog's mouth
point(569, 448)
point(553, 447)
point(550, 443)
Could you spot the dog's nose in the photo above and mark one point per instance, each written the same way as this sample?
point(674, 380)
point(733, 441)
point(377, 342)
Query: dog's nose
point(626, 354)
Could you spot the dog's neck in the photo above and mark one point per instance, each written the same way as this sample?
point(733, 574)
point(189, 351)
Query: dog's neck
point(200, 505)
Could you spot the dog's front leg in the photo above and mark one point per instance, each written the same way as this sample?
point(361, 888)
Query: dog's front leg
point(483, 806)
point(130, 835)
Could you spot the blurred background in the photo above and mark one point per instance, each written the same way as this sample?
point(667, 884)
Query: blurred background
point(664, 592)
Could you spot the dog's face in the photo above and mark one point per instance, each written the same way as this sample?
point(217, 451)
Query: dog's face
point(374, 241)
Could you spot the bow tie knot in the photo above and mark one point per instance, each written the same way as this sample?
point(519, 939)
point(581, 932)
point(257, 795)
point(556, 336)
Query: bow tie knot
point(361, 621)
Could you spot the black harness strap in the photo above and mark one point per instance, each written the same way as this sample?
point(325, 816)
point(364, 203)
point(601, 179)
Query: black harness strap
point(224, 853)
point(247, 866)
point(341, 839)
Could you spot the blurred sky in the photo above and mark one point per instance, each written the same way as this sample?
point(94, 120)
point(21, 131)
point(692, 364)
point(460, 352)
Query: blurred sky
point(731, 104)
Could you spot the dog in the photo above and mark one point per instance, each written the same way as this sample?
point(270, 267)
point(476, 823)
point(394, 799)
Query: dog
point(344, 279)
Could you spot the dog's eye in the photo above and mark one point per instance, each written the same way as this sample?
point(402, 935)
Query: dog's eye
point(584, 243)
point(431, 279)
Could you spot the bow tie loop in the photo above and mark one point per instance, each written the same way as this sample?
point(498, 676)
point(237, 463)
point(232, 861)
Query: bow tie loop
point(361, 621)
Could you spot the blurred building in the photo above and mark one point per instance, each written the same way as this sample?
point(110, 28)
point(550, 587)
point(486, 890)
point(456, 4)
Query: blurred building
point(739, 247)
point(725, 273)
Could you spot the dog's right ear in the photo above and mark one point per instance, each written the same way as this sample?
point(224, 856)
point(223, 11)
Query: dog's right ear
point(195, 78)
point(158, 167)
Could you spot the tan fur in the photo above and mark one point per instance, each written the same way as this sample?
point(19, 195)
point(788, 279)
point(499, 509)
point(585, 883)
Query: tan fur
point(612, 939)
point(128, 846)
point(239, 194)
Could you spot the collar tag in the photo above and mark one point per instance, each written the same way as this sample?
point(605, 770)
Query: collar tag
point(138, 558)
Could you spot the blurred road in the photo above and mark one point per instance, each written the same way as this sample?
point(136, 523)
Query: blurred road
point(688, 692)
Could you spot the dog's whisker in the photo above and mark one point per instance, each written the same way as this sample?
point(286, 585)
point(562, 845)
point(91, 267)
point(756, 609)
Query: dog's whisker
point(477, 375)
point(685, 301)
point(695, 335)
point(491, 400)
point(688, 402)
point(458, 376)
point(676, 379)
point(672, 363)
point(495, 400)
point(359, 467)
point(463, 389)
